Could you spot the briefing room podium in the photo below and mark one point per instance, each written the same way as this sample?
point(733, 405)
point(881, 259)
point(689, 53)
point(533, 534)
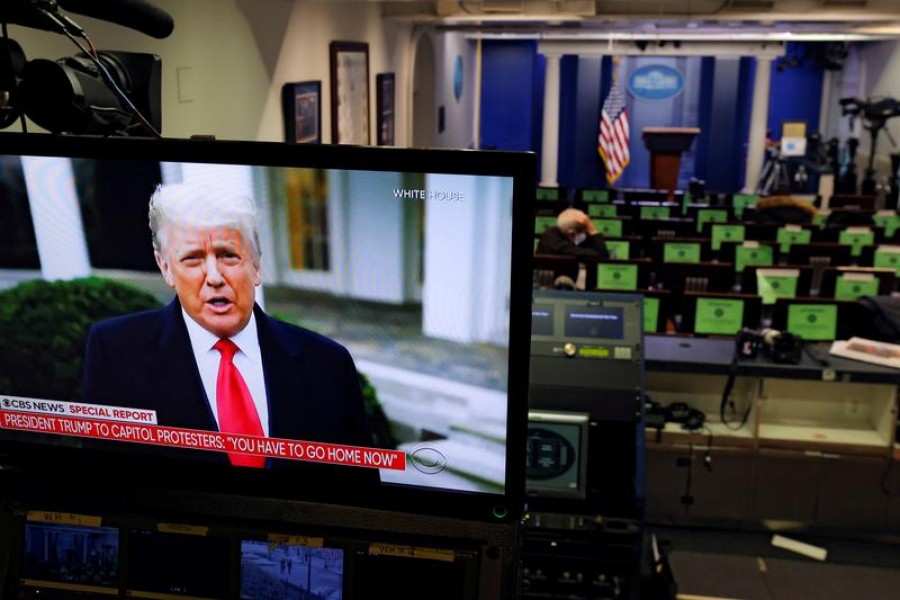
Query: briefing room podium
point(666, 145)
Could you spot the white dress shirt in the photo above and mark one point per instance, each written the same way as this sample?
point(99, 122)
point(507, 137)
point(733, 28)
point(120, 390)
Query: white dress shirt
point(248, 360)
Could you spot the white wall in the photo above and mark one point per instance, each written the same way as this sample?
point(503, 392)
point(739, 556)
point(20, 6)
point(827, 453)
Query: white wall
point(225, 63)
point(458, 114)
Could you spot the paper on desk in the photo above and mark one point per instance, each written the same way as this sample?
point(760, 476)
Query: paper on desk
point(870, 351)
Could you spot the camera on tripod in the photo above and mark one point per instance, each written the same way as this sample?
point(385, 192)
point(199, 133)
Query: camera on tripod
point(98, 92)
point(875, 114)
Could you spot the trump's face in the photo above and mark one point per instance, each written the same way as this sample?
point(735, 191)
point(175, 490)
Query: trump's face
point(214, 272)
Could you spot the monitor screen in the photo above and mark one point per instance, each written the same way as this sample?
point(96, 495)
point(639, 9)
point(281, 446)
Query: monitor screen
point(274, 571)
point(171, 564)
point(350, 313)
point(71, 557)
point(595, 322)
point(556, 455)
point(542, 319)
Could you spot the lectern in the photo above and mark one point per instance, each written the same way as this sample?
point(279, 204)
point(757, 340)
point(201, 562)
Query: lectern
point(666, 145)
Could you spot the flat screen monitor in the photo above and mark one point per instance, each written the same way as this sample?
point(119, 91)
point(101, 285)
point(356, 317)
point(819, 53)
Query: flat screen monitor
point(556, 454)
point(70, 558)
point(392, 297)
point(277, 571)
point(172, 565)
point(595, 322)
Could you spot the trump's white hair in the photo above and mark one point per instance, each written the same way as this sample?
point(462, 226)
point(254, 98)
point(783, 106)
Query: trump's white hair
point(203, 205)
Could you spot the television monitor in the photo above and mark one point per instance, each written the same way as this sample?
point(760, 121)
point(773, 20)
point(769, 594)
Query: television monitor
point(556, 454)
point(70, 558)
point(416, 262)
point(161, 564)
point(281, 571)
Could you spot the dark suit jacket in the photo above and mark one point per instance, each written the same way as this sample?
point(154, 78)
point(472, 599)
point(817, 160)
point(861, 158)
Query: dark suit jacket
point(554, 241)
point(145, 361)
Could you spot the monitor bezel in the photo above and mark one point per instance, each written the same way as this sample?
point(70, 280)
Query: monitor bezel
point(142, 471)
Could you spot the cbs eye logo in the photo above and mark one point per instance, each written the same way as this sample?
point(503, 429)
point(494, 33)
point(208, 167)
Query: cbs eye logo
point(428, 460)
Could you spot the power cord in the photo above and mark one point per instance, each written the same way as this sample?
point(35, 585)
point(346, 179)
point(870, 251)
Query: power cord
point(91, 52)
point(726, 401)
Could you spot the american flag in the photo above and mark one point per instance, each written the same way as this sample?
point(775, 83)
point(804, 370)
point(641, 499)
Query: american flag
point(612, 142)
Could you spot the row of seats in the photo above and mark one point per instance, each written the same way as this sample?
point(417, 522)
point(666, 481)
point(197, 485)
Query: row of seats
point(709, 314)
point(712, 224)
point(677, 277)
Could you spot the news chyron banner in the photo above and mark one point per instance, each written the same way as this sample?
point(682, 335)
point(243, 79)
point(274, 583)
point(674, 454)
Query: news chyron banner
point(140, 426)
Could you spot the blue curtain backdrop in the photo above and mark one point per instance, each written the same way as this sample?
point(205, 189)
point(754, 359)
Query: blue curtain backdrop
point(716, 97)
point(682, 110)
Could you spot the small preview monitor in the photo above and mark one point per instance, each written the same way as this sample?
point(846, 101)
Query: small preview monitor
point(284, 571)
point(542, 319)
point(601, 322)
point(162, 564)
point(71, 558)
point(556, 455)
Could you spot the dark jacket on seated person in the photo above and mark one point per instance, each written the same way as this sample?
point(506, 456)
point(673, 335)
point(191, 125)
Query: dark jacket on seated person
point(554, 241)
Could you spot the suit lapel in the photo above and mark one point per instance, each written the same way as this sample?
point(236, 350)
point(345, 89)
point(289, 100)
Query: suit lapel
point(285, 370)
point(182, 399)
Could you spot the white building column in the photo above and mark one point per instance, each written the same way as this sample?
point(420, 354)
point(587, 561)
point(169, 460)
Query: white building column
point(550, 139)
point(58, 230)
point(759, 117)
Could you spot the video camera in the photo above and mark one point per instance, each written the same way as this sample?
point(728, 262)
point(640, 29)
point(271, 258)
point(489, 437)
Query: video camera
point(874, 112)
point(94, 92)
point(782, 346)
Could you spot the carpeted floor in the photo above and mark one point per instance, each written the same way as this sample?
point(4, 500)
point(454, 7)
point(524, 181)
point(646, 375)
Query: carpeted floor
point(720, 564)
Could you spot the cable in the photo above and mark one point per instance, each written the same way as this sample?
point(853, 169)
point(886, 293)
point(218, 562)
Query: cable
point(729, 386)
point(112, 83)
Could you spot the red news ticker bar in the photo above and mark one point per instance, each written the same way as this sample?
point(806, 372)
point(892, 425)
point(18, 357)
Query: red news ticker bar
point(214, 441)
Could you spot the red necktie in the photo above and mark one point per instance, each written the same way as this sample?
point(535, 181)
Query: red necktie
point(237, 413)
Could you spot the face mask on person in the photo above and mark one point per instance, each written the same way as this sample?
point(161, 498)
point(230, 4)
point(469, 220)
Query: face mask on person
point(580, 237)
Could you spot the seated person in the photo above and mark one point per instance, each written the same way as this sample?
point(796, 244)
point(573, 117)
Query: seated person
point(574, 235)
point(784, 210)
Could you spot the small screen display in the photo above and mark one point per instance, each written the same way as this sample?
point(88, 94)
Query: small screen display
point(285, 571)
point(174, 564)
point(73, 557)
point(556, 453)
point(595, 322)
point(542, 320)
